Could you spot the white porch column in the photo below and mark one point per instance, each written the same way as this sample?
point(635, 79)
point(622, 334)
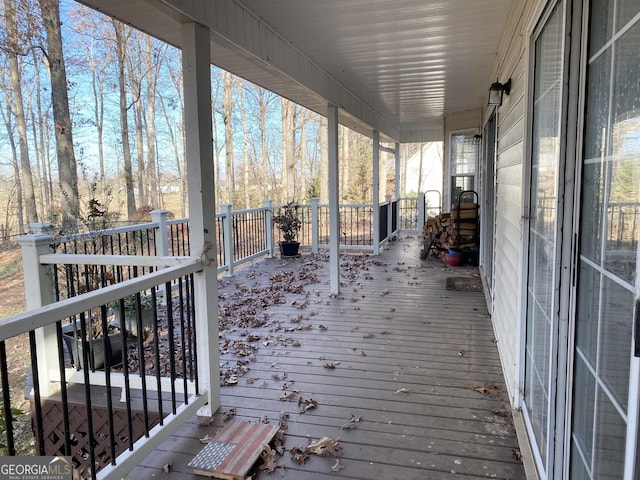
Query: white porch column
point(196, 69)
point(268, 226)
point(376, 192)
point(227, 228)
point(334, 200)
point(39, 291)
point(398, 172)
point(314, 225)
point(421, 213)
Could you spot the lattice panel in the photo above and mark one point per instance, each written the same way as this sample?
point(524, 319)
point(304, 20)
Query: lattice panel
point(53, 426)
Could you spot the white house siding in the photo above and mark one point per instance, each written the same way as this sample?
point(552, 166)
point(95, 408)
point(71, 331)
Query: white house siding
point(510, 207)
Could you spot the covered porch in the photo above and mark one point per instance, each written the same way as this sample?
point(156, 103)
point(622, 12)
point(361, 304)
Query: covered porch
point(405, 372)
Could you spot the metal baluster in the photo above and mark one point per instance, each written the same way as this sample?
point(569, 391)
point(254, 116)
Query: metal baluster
point(6, 401)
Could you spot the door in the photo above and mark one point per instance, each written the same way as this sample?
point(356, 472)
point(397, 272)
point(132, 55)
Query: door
point(603, 436)
point(544, 246)
point(488, 200)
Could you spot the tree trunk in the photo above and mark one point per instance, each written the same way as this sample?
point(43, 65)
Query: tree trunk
point(121, 46)
point(29, 196)
point(302, 190)
point(264, 150)
point(228, 83)
point(288, 149)
point(152, 74)
point(41, 145)
point(14, 156)
point(67, 169)
point(245, 155)
point(324, 161)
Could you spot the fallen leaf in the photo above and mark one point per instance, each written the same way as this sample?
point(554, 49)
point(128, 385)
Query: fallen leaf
point(322, 327)
point(402, 390)
point(264, 419)
point(205, 422)
point(299, 455)
point(488, 389)
point(287, 397)
point(352, 423)
point(166, 468)
point(362, 354)
point(337, 466)
point(269, 463)
point(517, 454)
point(228, 414)
point(206, 439)
point(325, 447)
point(307, 404)
point(329, 365)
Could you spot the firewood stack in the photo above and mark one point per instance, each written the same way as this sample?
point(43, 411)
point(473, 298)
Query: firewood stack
point(458, 229)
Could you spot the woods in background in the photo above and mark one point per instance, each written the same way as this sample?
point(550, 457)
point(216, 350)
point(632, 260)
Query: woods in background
point(90, 106)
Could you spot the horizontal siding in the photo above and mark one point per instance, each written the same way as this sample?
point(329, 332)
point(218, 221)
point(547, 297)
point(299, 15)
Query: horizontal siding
point(510, 173)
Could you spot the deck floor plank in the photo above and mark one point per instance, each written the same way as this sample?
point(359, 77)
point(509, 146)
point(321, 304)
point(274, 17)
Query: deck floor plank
point(408, 357)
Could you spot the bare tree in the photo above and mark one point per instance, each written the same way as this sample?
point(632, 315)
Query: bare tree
point(288, 148)
point(228, 102)
point(122, 34)
point(28, 191)
point(152, 66)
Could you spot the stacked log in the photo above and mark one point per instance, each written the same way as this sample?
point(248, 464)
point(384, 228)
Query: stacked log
point(458, 229)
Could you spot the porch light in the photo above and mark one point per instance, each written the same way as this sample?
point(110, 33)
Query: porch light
point(496, 90)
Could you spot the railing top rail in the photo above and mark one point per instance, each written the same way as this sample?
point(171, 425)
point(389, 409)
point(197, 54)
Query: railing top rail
point(39, 317)
point(250, 210)
point(106, 232)
point(178, 221)
point(118, 260)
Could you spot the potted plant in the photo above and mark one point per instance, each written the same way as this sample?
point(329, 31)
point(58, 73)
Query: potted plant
point(97, 353)
point(129, 317)
point(289, 224)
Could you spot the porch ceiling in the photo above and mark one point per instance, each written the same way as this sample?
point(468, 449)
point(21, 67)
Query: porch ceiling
point(395, 66)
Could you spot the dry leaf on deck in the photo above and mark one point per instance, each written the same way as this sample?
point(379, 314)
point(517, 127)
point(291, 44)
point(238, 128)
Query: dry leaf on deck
point(268, 457)
point(329, 365)
point(228, 414)
point(287, 397)
point(488, 389)
point(325, 447)
point(166, 468)
point(337, 466)
point(206, 439)
point(352, 423)
point(517, 454)
point(307, 404)
point(299, 455)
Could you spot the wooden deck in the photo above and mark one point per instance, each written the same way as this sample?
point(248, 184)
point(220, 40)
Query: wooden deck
point(417, 363)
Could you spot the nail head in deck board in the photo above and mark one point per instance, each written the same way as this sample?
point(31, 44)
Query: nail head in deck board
point(233, 450)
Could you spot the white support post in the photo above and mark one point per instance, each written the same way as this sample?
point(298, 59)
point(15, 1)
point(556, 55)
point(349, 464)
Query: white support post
point(389, 200)
point(196, 70)
point(421, 213)
point(376, 192)
point(162, 236)
point(314, 225)
point(227, 228)
point(39, 291)
point(334, 204)
point(268, 226)
point(162, 244)
point(398, 172)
